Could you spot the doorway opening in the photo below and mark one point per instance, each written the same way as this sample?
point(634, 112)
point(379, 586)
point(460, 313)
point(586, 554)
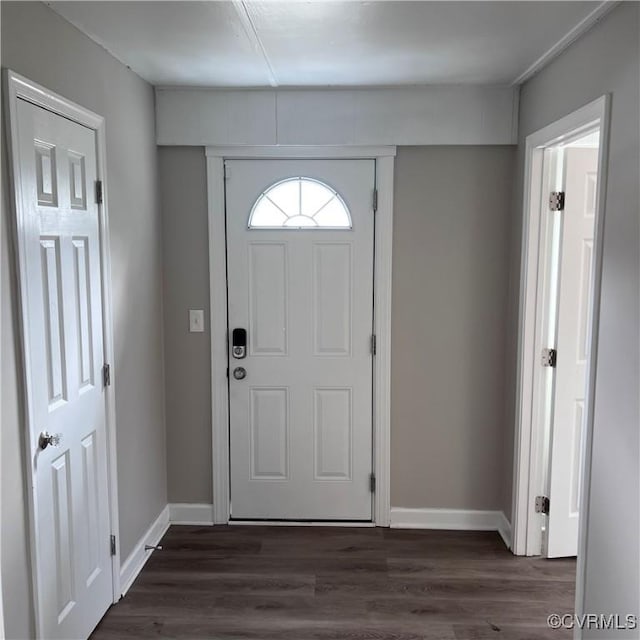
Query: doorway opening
point(222, 164)
point(560, 289)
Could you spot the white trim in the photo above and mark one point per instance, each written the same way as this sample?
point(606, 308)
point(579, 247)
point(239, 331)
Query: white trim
point(18, 87)
point(300, 523)
point(295, 151)
point(453, 519)
point(571, 36)
point(382, 330)
point(384, 157)
point(218, 319)
point(132, 566)
point(526, 465)
point(504, 529)
point(190, 513)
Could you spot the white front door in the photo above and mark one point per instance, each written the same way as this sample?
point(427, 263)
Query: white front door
point(60, 273)
point(574, 309)
point(300, 284)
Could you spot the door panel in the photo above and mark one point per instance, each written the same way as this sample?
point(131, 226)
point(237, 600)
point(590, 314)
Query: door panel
point(301, 419)
point(332, 298)
point(574, 307)
point(268, 302)
point(58, 235)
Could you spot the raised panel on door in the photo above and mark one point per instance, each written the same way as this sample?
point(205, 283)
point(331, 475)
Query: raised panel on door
point(269, 434)
point(53, 321)
point(332, 299)
point(46, 175)
point(62, 500)
point(268, 303)
point(91, 507)
point(82, 279)
point(333, 434)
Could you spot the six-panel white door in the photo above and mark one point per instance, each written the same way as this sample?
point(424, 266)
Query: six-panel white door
point(60, 273)
point(300, 281)
point(574, 308)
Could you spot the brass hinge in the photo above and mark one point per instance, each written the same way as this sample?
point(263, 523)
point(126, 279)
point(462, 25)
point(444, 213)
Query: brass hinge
point(106, 375)
point(99, 191)
point(374, 346)
point(375, 200)
point(556, 201)
point(542, 504)
point(112, 542)
point(372, 482)
point(549, 357)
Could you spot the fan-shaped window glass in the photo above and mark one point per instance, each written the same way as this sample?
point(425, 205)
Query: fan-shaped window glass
point(300, 203)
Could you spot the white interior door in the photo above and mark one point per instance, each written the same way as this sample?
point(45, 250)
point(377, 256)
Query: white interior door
point(59, 257)
point(574, 308)
point(300, 282)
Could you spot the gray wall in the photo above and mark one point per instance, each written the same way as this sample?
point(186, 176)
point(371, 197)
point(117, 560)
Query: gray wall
point(449, 300)
point(450, 260)
point(605, 60)
point(82, 71)
point(183, 195)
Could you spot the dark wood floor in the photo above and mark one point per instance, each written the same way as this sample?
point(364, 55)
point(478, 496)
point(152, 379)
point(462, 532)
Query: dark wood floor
point(321, 583)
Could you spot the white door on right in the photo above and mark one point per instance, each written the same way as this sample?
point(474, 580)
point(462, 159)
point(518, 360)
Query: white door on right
point(574, 308)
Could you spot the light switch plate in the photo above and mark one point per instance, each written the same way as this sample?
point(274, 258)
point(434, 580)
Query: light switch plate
point(196, 320)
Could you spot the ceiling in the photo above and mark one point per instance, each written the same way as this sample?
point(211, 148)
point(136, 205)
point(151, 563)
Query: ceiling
point(331, 43)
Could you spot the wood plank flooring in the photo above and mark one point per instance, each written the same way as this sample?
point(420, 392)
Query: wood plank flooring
point(326, 583)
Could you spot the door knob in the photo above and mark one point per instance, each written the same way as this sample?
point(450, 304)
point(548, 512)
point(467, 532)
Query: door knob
point(47, 439)
point(239, 373)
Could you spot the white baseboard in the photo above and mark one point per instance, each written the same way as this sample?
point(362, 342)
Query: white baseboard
point(190, 513)
point(136, 560)
point(461, 519)
point(504, 529)
point(401, 518)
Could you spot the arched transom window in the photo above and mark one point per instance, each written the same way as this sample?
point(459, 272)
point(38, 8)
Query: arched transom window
point(300, 203)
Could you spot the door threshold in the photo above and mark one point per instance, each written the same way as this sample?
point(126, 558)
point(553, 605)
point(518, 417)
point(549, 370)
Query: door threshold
point(303, 523)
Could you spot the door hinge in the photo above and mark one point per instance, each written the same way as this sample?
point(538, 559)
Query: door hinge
point(227, 173)
point(374, 346)
point(112, 542)
point(372, 482)
point(556, 201)
point(99, 191)
point(106, 375)
point(549, 357)
point(542, 504)
point(375, 200)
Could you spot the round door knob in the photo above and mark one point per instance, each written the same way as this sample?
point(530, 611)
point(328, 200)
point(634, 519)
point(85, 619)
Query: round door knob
point(239, 373)
point(47, 439)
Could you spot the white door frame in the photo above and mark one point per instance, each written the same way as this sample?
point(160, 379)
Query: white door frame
point(527, 464)
point(384, 157)
point(17, 88)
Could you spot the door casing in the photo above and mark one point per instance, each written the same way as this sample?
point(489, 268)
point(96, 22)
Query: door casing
point(527, 465)
point(383, 242)
point(17, 88)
